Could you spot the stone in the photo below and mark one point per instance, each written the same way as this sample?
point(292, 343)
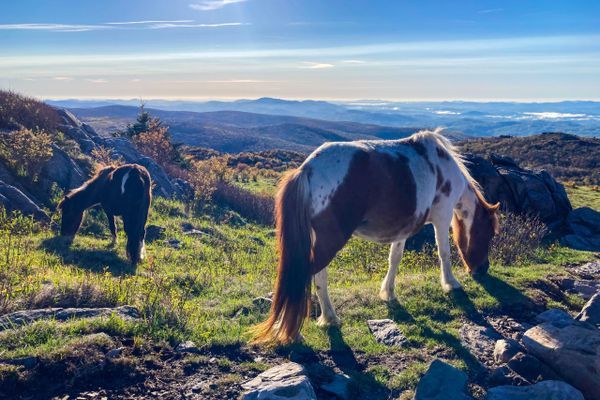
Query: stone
point(338, 386)
point(583, 288)
point(555, 316)
point(20, 318)
point(187, 347)
point(13, 199)
point(571, 349)
point(442, 382)
point(62, 170)
point(154, 232)
point(480, 341)
point(589, 270)
point(284, 382)
point(505, 349)
point(578, 242)
point(590, 312)
point(505, 376)
point(546, 390)
point(114, 353)
point(530, 368)
point(387, 332)
point(174, 243)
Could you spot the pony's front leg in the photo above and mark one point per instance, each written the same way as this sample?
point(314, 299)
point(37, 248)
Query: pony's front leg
point(448, 280)
point(386, 292)
point(112, 227)
point(328, 316)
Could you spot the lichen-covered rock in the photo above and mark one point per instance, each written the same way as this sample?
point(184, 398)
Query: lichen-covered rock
point(387, 332)
point(546, 390)
point(12, 199)
point(505, 349)
point(284, 382)
point(442, 382)
point(590, 312)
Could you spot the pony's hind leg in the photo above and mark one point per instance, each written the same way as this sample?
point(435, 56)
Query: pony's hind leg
point(328, 316)
point(448, 280)
point(386, 292)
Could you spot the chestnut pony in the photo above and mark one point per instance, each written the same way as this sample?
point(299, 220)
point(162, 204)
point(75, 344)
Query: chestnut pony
point(384, 191)
point(121, 191)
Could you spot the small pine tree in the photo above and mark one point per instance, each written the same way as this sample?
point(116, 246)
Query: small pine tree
point(144, 123)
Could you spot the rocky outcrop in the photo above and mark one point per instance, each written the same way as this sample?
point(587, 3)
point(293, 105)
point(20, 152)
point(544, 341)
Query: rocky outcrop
point(442, 382)
point(546, 390)
point(12, 199)
point(283, 382)
point(584, 229)
point(591, 311)
point(570, 348)
point(520, 190)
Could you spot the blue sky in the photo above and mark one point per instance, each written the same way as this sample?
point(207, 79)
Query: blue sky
point(319, 49)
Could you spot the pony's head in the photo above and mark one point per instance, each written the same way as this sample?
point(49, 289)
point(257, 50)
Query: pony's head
point(72, 214)
point(473, 232)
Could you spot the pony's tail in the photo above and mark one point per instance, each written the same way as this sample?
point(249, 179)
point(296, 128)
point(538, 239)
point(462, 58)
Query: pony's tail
point(141, 196)
point(292, 287)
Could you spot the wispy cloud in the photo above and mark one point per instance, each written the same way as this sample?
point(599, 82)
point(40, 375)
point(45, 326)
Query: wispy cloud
point(97, 80)
point(53, 27)
point(490, 11)
point(124, 25)
point(353, 62)
point(314, 65)
point(62, 78)
point(237, 81)
point(209, 5)
point(177, 21)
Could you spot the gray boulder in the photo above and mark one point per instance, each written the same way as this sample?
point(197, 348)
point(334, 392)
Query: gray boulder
point(584, 228)
point(546, 390)
point(505, 349)
point(387, 332)
point(283, 382)
point(571, 349)
point(12, 199)
point(480, 341)
point(61, 168)
point(590, 312)
point(442, 382)
point(521, 191)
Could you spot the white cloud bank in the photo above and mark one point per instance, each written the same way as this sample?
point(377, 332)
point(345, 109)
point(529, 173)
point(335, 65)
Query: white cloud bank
point(209, 5)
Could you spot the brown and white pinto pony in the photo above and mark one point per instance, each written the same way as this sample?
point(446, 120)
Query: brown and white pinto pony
point(121, 191)
point(384, 191)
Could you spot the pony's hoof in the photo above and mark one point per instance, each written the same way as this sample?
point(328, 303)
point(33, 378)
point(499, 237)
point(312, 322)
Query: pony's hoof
point(323, 322)
point(387, 296)
point(447, 287)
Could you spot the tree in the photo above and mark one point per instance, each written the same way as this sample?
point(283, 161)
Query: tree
point(144, 123)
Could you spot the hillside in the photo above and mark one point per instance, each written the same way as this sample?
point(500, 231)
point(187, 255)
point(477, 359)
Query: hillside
point(566, 157)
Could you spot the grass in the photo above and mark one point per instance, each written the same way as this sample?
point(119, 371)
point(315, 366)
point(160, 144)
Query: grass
point(196, 291)
point(584, 196)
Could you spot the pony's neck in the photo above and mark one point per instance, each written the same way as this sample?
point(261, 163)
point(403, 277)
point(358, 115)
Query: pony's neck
point(466, 206)
point(87, 196)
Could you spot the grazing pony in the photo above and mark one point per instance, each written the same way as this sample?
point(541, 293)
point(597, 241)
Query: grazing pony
point(123, 191)
point(384, 191)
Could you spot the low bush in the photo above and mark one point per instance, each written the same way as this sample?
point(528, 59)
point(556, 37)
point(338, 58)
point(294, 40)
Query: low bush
point(519, 239)
point(26, 151)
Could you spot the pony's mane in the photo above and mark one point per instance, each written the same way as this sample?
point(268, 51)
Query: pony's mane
point(100, 172)
point(459, 159)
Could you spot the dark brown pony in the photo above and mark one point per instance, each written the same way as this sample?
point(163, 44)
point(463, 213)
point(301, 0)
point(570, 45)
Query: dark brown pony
point(121, 191)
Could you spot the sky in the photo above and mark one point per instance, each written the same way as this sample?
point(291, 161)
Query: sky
point(302, 49)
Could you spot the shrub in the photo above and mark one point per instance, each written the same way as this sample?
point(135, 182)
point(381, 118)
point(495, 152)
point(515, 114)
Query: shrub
point(104, 157)
point(21, 112)
point(204, 177)
point(248, 204)
point(518, 240)
point(156, 144)
point(26, 151)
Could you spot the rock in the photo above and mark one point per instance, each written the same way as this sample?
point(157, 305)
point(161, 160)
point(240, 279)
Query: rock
point(585, 243)
point(590, 312)
point(590, 270)
point(174, 243)
point(386, 332)
point(61, 168)
point(480, 341)
point(338, 386)
point(154, 232)
point(187, 347)
point(546, 390)
point(13, 199)
point(505, 349)
point(20, 318)
point(583, 288)
point(283, 382)
point(186, 227)
point(571, 349)
point(263, 304)
point(506, 376)
point(584, 226)
point(442, 382)
point(114, 353)
point(530, 368)
point(555, 316)
point(507, 326)
point(520, 190)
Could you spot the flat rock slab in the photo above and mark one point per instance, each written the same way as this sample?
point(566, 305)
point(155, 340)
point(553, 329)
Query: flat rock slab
point(590, 270)
point(545, 390)
point(480, 341)
point(442, 382)
point(20, 318)
point(338, 386)
point(387, 332)
point(572, 350)
point(590, 312)
point(284, 382)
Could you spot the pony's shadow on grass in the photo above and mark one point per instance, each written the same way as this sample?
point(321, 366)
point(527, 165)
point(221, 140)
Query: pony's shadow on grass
point(512, 301)
point(95, 260)
point(398, 313)
point(461, 300)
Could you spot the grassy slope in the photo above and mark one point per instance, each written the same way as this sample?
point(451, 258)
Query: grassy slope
point(195, 292)
point(581, 196)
